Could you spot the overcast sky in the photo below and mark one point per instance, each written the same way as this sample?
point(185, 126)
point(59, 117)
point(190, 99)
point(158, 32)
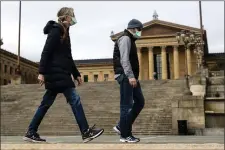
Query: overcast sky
point(90, 36)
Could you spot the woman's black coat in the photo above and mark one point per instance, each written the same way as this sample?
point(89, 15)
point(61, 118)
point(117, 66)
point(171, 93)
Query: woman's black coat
point(56, 62)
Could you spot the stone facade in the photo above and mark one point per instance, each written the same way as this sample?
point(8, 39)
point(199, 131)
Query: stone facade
point(214, 100)
point(190, 108)
point(215, 61)
point(8, 65)
point(96, 70)
point(159, 51)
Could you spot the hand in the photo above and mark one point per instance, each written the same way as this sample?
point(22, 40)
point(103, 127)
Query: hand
point(79, 80)
point(72, 78)
point(133, 82)
point(41, 79)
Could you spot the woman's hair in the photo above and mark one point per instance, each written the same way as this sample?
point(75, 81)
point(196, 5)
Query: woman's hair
point(62, 14)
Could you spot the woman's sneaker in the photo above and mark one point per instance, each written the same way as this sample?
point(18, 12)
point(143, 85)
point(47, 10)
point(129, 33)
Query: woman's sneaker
point(91, 134)
point(117, 129)
point(130, 139)
point(33, 137)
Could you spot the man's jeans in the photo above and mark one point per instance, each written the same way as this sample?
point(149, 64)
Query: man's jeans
point(131, 104)
point(72, 98)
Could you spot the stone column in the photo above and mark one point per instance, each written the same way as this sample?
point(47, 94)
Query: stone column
point(91, 77)
point(140, 62)
point(101, 78)
point(150, 63)
point(111, 76)
point(164, 65)
point(189, 61)
point(176, 62)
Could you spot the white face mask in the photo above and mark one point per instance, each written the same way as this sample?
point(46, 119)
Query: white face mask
point(137, 34)
point(73, 21)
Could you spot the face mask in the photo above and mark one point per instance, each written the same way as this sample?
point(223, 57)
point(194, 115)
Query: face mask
point(73, 21)
point(137, 34)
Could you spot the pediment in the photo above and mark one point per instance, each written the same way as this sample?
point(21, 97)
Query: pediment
point(160, 28)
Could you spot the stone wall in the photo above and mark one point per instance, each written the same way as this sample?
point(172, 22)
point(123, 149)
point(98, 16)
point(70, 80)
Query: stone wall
point(190, 108)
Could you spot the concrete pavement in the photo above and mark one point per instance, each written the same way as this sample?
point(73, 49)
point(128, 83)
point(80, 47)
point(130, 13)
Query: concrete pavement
point(112, 143)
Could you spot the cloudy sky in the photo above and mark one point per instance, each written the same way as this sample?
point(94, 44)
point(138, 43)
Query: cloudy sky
point(90, 36)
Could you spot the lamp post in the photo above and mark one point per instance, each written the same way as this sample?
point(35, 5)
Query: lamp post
point(202, 31)
point(186, 38)
point(18, 72)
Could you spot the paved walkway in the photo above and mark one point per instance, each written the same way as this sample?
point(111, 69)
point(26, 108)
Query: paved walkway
point(112, 143)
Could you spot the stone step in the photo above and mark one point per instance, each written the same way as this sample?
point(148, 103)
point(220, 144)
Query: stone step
point(101, 104)
point(214, 88)
point(215, 99)
point(216, 73)
point(215, 94)
point(216, 80)
point(214, 106)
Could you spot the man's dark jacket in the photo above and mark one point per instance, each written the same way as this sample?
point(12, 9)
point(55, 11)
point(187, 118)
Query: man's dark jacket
point(56, 62)
point(133, 57)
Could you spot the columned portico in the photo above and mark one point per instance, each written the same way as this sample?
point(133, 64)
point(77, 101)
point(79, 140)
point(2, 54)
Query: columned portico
point(164, 62)
point(150, 62)
point(169, 57)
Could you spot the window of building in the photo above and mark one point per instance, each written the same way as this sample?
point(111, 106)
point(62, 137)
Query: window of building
point(85, 78)
point(9, 81)
point(11, 70)
point(106, 77)
point(5, 82)
point(95, 78)
point(5, 68)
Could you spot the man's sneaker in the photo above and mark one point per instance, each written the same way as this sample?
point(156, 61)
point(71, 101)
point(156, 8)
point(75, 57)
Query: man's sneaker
point(117, 129)
point(91, 134)
point(33, 137)
point(130, 139)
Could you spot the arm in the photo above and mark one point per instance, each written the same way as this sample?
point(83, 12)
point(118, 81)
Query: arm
point(51, 43)
point(75, 71)
point(124, 44)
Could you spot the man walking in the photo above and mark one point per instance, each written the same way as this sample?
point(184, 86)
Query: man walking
point(126, 68)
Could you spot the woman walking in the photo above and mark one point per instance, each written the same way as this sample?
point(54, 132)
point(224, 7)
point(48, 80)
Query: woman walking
point(56, 67)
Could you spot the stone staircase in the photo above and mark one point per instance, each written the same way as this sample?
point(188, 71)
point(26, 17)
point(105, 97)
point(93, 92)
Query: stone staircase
point(101, 105)
point(214, 103)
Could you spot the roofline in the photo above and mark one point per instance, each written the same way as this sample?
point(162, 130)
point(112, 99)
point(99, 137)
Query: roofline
point(10, 54)
point(160, 22)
